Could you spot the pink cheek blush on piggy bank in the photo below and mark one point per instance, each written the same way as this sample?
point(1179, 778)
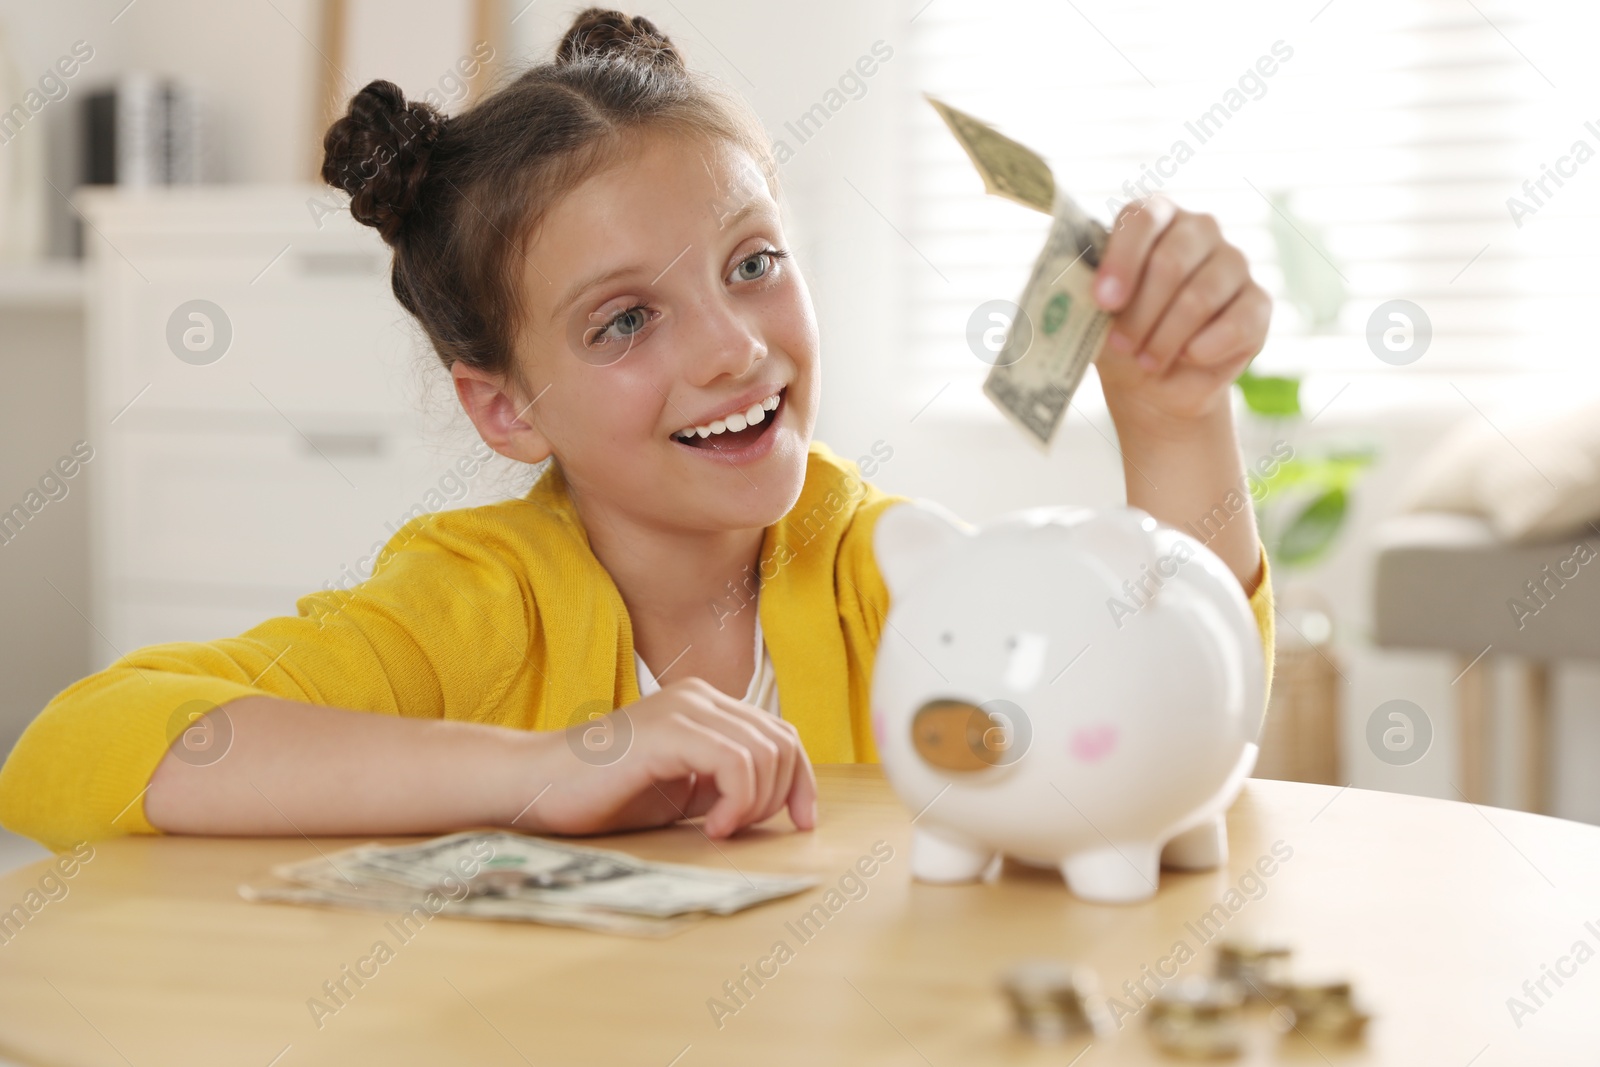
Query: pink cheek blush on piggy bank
point(1074, 689)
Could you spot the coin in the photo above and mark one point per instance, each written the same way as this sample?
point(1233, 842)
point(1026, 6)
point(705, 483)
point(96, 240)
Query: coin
point(1051, 999)
point(1258, 964)
point(1322, 1009)
point(1197, 1017)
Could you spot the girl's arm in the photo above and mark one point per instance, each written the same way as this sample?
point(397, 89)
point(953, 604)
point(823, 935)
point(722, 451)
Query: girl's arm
point(1188, 319)
point(444, 635)
point(1192, 477)
point(294, 768)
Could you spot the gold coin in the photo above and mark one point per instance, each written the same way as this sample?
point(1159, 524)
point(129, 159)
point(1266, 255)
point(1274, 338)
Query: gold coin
point(1051, 999)
point(1197, 1017)
point(1255, 963)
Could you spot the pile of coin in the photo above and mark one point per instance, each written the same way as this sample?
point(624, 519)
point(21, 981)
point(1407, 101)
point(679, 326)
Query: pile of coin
point(1198, 1017)
point(1052, 1000)
point(1322, 1010)
point(1255, 963)
point(1205, 1017)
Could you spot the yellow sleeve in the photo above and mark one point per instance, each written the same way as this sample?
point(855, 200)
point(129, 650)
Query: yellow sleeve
point(439, 630)
point(1261, 605)
point(863, 611)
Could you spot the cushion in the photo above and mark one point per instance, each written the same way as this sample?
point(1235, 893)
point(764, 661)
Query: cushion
point(1533, 476)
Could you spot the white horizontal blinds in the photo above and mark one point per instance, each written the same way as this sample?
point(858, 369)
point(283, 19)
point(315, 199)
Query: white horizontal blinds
point(1398, 129)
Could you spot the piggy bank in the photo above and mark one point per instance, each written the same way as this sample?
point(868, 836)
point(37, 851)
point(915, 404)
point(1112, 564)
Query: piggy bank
point(1070, 688)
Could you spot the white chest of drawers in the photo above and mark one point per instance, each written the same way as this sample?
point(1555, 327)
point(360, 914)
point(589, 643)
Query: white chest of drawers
point(225, 486)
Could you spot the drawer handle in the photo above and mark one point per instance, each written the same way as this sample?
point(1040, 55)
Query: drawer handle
point(343, 444)
point(325, 263)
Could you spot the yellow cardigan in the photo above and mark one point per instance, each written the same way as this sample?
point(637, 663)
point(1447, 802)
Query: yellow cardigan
point(498, 614)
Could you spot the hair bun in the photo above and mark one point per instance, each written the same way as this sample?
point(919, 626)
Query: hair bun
point(378, 153)
point(603, 32)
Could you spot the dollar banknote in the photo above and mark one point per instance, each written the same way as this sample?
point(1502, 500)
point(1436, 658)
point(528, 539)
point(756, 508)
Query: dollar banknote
point(532, 868)
point(1058, 329)
point(397, 900)
point(497, 874)
point(1008, 169)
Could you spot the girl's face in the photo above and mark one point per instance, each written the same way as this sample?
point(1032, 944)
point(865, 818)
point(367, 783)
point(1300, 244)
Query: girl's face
point(659, 299)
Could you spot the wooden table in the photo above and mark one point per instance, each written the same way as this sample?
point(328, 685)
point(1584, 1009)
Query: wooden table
point(1438, 911)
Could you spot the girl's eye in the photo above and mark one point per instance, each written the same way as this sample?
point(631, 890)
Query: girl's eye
point(767, 259)
point(627, 322)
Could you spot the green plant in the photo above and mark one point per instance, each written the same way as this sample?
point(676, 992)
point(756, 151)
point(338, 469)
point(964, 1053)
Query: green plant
point(1303, 504)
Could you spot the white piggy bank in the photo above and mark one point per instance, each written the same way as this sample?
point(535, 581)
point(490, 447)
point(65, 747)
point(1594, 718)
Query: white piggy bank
point(1073, 689)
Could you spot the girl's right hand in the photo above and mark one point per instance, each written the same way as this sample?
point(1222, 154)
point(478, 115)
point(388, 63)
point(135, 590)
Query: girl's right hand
point(685, 751)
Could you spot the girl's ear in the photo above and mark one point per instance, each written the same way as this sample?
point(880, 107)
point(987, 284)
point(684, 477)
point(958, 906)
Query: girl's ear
point(501, 418)
point(914, 538)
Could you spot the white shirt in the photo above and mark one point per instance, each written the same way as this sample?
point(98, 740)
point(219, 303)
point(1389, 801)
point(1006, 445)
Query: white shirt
point(763, 689)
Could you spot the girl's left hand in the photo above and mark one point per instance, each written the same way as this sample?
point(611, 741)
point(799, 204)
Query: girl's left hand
point(1188, 316)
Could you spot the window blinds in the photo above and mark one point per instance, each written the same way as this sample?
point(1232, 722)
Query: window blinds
point(1392, 135)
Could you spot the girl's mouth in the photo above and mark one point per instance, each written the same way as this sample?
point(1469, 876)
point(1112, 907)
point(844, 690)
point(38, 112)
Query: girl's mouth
point(725, 440)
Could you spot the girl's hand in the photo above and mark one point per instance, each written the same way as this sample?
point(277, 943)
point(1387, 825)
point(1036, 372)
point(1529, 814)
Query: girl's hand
point(1188, 316)
point(685, 751)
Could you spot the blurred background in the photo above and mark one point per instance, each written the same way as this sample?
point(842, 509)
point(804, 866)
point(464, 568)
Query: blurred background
point(212, 405)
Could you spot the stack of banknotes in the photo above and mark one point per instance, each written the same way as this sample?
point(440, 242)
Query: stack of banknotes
point(508, 876)
point(1059, 329)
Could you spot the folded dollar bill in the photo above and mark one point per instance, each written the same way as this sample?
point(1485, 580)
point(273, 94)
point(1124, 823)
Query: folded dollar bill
point(497, 874)
point(403, 901)
point(1059, 329)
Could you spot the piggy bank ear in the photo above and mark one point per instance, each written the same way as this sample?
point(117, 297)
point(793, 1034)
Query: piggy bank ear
point(913, 538)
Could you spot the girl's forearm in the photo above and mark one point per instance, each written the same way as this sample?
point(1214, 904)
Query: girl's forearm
point(1191, 475)
point(293, 768)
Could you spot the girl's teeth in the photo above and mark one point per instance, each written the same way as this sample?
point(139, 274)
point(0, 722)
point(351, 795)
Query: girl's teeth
point(757, 413)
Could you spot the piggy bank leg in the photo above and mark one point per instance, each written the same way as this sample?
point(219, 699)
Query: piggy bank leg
point(1200, 848)
point(938, 859)
point(1119, 875)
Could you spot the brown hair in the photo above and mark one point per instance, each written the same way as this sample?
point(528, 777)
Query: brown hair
point(459, 197)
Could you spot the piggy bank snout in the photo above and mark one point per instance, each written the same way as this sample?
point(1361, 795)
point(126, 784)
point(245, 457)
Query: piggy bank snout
point(962, 737)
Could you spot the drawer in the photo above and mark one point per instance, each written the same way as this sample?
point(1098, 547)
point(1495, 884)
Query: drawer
point(275, 508)
point(302, 325)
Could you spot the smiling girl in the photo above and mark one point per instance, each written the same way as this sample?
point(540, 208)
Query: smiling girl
point(597, 256)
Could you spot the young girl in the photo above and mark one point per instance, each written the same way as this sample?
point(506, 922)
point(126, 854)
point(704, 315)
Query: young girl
point(595, 252)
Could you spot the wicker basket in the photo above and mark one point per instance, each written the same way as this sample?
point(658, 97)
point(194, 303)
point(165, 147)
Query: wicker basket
point(1300, 740)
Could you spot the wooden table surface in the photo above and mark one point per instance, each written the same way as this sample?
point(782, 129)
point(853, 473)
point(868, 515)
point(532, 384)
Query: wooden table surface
point(1437, 911)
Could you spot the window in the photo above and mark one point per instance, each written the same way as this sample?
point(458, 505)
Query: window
point(1394, 133)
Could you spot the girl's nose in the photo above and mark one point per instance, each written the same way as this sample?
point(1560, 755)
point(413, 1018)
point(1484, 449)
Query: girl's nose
point(726, 340)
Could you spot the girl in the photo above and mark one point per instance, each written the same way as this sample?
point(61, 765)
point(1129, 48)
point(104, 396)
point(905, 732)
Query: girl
point(682, 613)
